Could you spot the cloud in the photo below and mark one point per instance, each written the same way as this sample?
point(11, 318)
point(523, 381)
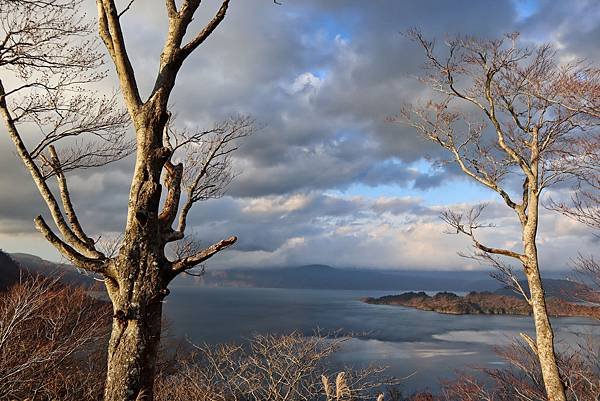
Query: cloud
point(320, 78)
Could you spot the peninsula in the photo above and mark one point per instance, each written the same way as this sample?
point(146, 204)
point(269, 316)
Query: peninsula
point(482, 303)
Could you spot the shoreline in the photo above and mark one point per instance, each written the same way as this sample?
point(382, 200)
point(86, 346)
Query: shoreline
point(481, 303)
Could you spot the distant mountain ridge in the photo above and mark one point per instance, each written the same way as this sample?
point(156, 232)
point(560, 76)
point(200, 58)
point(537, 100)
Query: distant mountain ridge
point(314, 276)
point(326, 277)
point(9, 271)
point(37, 266)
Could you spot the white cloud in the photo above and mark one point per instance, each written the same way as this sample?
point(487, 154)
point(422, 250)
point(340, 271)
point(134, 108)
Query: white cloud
point(304, 83)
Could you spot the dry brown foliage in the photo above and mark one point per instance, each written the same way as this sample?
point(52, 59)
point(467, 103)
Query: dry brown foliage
point(521, 380)
point(52, 340)
point(271, 367)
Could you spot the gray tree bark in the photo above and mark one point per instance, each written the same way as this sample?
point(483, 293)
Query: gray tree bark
point(137, 279)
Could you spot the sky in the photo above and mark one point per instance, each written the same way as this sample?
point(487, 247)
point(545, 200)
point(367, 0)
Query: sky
point(326, 178)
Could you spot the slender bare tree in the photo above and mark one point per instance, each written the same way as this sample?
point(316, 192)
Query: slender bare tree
point(494, 109)
point(49, 65)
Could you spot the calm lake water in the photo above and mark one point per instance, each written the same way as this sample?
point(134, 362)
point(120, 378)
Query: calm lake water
point(427, 345)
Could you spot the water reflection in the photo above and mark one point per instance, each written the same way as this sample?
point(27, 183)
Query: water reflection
point(424, 345)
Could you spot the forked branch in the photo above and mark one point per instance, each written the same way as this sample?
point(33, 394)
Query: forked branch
point(468, 223)
point(208, 29)
point(189, 262)
point(65, 197)
point(205, 170)
point(95, 265)
point(84, 247)
point(109, 28)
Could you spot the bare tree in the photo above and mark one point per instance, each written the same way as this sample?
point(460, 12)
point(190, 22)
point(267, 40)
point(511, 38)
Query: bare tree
point(51, 65)
point(493, 111)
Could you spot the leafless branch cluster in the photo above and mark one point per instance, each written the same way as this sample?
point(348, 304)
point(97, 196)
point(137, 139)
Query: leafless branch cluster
point(51, 342)
point(272, 367)
point(110, 244)
point(586, 271)
point(32, 46)
point(583, 158)
point(468, 223)
point(505, 84)
point(46, 47)
point(187, 247)
point(201, 166)
point(521, 380)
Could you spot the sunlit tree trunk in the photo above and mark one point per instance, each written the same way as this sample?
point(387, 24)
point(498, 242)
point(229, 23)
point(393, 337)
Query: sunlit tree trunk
point(544, 335)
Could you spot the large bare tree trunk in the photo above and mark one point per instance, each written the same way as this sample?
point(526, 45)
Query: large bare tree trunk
point(132, 355)
point(140, 281)
point(545, 339)
point(544, 343)
point(136, 329)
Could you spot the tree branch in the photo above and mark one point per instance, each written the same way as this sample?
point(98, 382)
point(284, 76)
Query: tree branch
point(84, 247)
point(66, 198)
point(109, 29)
point(207, 167)
point(126, 8)
point(171, 8)
point(467, 224)
point(173, 175)
point(205, 33)
point(79, 260)
point(193, 260)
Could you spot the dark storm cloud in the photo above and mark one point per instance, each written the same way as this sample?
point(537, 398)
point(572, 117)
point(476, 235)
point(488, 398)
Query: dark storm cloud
point(19, 200)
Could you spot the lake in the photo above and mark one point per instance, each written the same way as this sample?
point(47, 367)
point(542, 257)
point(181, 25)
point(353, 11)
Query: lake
point(427, 345)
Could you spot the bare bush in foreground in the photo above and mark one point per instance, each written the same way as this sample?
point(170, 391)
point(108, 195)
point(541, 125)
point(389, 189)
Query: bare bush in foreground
point(522, 379)
point(271, 367)
point(51, 342)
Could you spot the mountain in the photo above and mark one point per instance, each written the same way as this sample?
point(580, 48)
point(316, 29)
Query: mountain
point(327, 277)
point(9, 271)
point(38, 266)
point(564, 289)
point(302, 277)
